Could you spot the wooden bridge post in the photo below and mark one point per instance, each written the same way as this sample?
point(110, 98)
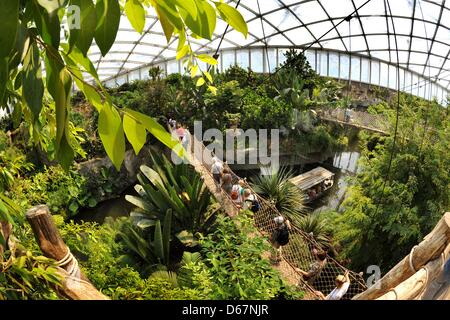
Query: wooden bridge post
point(53, 246)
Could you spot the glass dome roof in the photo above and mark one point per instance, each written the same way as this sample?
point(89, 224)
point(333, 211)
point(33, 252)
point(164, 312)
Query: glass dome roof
point(420, 29)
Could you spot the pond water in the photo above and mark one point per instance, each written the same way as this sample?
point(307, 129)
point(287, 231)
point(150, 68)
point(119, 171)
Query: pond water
point(114, 208)
point(344, 164)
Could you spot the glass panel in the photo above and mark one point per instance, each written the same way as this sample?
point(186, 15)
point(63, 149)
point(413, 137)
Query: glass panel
point(271, 58)
point(402, 78)
point(242, 59)
point(414, 85)
point(384, 74)
point(365, 70)
point(375, 72)
point(121, 80)
point(393, 77)
point(173, 67)
point(134, 75)
point(407, 86)
point(227, 60)
point(356, 68)
point(257, 60)
point(333, 67)
point(311, 57)
point(422, 89)
point(281, 56)
point(323, 63)
point(144, 73)
point(345, 66)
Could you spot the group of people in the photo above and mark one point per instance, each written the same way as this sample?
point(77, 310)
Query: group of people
point(316, 190)
point(280, 238)
point(241, 196)
point(245, 199)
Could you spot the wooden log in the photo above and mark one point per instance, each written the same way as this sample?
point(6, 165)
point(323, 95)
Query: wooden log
point(430, 248)
point(415, 286)
point(76, 289)
point(53, 246)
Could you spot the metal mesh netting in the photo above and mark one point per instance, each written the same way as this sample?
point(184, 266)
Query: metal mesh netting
point(360, 119)
point(298, 253)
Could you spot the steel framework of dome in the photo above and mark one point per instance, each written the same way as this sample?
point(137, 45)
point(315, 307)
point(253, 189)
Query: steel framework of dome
point(365, 48)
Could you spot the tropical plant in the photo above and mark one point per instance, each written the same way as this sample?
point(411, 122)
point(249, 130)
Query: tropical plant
point(259, 111)
point(282, 193)
point(32, 36)
point(151, 246)
point(232, 258)
point(318, 228)
point(179, 189)
point(291, 88)
point(394, 202)
point(296, 61)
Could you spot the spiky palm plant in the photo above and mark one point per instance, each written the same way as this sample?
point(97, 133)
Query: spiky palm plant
point(286, 197)
point(317, 227)
point(179, 189)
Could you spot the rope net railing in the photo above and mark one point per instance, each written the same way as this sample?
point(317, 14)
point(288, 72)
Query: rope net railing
point(360, 119)
point(298, 253)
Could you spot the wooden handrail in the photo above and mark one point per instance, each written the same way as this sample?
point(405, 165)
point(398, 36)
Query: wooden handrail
point(433, 245)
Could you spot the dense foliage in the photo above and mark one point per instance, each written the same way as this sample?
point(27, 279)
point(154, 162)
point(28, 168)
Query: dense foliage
point(389, 209)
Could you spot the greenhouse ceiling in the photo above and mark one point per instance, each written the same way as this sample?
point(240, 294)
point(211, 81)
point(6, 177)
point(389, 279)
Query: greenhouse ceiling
point(413, 34)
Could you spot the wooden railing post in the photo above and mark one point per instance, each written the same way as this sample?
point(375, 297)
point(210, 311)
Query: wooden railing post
point(75, 286)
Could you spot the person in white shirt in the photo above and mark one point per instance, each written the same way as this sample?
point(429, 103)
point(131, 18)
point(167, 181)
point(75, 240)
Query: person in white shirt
point(216, 170)
point(342, 285)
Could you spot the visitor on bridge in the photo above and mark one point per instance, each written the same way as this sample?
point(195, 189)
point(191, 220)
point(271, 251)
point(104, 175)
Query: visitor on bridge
point(181, 132)
point(280, 238)
point(227, 181)
point(342, 285)
point(250, 201)
point(315, 268)
point(217, 170)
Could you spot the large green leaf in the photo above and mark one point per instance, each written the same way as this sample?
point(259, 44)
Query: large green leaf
point(79, 59)
point(205, 23)
point(21, 47)
point(152, 176)
point(48, 26)
point(51, 5)
point(165, 24)
point(82, 38)
point(4, 75)
point(232, 17)
point(135, 133)
point(167, 229)
point(9, 23)
point(136, 14)
point(188, 5)
point(158, 243)
point(111, 133)
point(157, 130)
point(33, 86)
point(169, 10)
point(139, 202)
point(59, 84)
point(108, 20)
